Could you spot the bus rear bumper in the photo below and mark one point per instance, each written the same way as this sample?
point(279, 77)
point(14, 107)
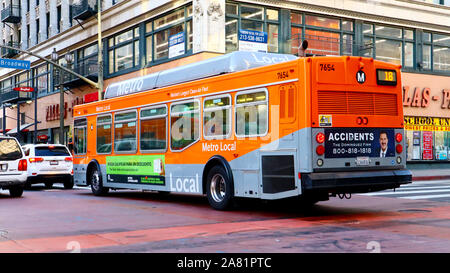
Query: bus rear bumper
point(354, 182)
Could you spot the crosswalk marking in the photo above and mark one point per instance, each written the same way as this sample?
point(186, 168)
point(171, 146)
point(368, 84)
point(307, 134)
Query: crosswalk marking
point(425, 196)
point(404, 192)
point(433, 189)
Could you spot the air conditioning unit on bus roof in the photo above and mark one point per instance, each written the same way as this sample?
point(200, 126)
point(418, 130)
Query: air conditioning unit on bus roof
point(228, 63)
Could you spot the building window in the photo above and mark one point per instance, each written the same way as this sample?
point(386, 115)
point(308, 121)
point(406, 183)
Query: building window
point(6, 86)
point(159, 31)
point(441, 52)
point(41, 77)
point(249, 17)
point(59, 24)
point(123, 51)
point(38, 35)
point(325, 35)
point(389, 44)
point(22, 118)
point(87, 60)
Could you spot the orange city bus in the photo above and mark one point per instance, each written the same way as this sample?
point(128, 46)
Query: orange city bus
point(248, 124)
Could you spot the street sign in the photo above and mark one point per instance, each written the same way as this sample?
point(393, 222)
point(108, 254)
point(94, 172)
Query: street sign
point(15, 64)
point(24, 89)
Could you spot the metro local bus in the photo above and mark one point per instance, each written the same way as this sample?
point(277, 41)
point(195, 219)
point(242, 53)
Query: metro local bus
point(248, 124)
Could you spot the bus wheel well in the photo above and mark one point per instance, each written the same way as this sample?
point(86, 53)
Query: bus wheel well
point(93, 164)
point(215, 161)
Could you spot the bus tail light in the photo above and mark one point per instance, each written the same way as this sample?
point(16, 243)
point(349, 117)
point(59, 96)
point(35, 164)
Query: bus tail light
point(22, 165)
point(398, 137)
point(359, 120)
point(35, 159)
point(399, 148)
point(320, 150)
point(365, 120)
point(320, 138)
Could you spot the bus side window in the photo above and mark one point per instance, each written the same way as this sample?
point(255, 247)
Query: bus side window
point(153, 129)
point(104, 134)
point(125, 137)
point(251, 113)
point(217, 117)
point(80, 138)
point(184, 124)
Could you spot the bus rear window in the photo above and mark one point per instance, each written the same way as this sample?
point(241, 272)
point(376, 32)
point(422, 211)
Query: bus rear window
point(10, 149)
point(49, 151)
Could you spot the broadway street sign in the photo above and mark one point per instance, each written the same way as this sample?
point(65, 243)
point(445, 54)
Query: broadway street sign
point(15, 64)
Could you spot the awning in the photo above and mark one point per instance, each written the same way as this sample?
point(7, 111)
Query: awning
point(22, 127)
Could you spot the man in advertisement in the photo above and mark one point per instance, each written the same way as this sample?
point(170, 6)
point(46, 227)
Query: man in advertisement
point(383, 144)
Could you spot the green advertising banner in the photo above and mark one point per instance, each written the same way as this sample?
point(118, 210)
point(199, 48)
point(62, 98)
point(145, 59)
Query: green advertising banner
point(136, 169)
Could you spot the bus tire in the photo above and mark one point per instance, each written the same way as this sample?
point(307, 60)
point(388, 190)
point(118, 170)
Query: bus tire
point(16, 191)
point(68, 184)
point(219, 188)
point(96, 182)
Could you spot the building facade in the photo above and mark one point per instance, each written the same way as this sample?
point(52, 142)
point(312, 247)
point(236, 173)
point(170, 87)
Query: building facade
point(138, 39)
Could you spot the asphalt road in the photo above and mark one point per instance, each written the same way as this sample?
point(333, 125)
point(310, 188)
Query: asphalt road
point(58, 220)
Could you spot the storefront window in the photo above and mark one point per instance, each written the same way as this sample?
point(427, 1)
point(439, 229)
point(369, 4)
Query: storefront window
point(427, 138)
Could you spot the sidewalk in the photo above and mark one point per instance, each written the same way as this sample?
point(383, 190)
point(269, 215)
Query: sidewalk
point(430, 174)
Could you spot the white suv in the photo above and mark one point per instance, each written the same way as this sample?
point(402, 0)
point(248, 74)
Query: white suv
point(48, 164)
point(13, 166)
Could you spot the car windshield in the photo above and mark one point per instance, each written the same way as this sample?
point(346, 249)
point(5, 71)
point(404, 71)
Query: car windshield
point(51, 151)
point(9, 149)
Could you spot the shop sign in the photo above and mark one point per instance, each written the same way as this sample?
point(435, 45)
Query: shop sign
point(427, 124)
point(423, 97)
point(427, 145)
point(52, 111)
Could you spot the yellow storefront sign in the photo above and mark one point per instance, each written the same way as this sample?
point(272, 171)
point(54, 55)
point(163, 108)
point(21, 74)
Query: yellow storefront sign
point(427, 124)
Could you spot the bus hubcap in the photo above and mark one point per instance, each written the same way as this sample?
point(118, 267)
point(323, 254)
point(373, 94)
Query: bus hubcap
point(218, 188)
point(95, 180)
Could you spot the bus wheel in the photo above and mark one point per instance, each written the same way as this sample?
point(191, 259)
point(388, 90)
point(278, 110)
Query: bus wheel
point(219, 189)
point(16, 191)
point(97, 184)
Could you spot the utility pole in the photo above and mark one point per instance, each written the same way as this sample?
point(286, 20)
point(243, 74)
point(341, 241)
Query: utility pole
point(100, 49)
